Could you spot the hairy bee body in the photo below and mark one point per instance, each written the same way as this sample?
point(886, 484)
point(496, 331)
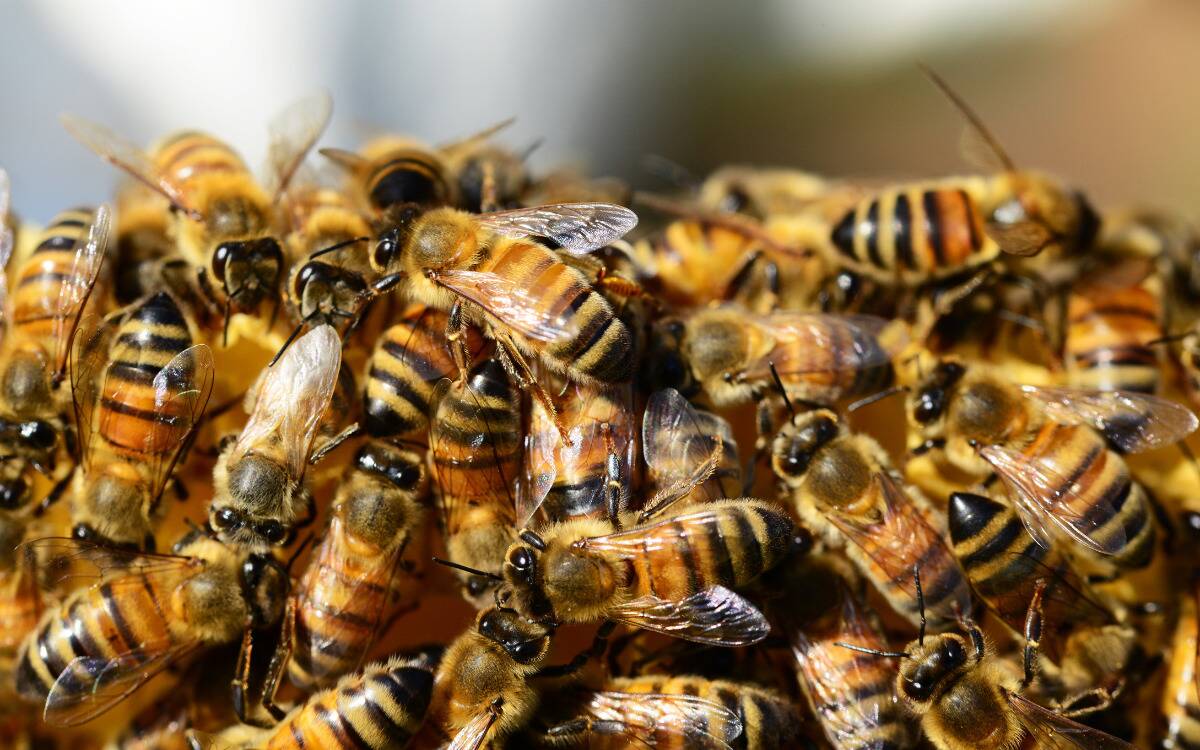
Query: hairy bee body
point(696, 263)
point(393, 170)
point(39, 280)
point(143, 237)
point(1180, 699)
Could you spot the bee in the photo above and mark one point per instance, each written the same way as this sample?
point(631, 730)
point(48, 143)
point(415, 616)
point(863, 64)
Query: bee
point(678, 711)
point(21, 600)
point(337, 608)
point(475, 448)
point(52, 288)
point(569, 185)
point(851, 697)
point(198, 703)
point(582, 571)
point(380, 707)
point(1113, 316)
point(1180, 700)
point(259, 493)
point(225, 223)
point(528, 300)
point(687, 447)
point(966, 698)
point(489, 177)
point(843, 485)
point(1048, 446)
point(137, 403)
point(914, 233)
point(392, 171)
point(142, 614)
point(410, 359)
point(761, 192)
point(142, 240)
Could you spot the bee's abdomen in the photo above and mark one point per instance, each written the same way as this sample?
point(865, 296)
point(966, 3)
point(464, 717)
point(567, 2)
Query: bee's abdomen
point(409, 360)
point(48, 268)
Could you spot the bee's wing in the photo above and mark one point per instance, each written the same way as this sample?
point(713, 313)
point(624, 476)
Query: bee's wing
point(472, 735)
point(181, 390)
point(88, 357)
point(542, 449)
point(62, 559)
point(77, 287)
point(1023, 239)
point(715, 616)
point(1042, 497)
point(898, 539)
point(512, 304)
point(853, 341)
point(6, 248)
point(1053, 731)
point(293, 133)
point(1133, 422)
point(1063, 595)
point(578, 228)
point(292, 395)
point(127, 157)
point(686, 447)
point(482, 135)
point(90, 686)
point(641, 717)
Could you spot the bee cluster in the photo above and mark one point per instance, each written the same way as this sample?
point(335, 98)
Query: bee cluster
point(664, 467)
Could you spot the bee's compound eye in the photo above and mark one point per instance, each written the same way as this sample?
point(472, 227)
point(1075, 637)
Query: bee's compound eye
point(220, 258)
point(930, 404)
point(405, 477)
point(226, 518)
point(38, 434)
point(521, 558)
point(526, 651)
point(273, 531)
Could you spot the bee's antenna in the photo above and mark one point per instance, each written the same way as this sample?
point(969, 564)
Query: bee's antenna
point(974, 119)
point(920, 602)
point(339, 246)
point(874, 397)
point(873, 651)
point(1170, 338)
point(782, 391)
point(464, 568)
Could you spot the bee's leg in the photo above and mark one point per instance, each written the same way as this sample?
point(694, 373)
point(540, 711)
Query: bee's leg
point(1033, 633)
point(519, 368)
point(456, 338)
point(764, 419)
point(53, 496)
point(279, 661)
point(612, 481)
point(599, 645)
point(489, 200)
point(332, 443)
point(1090, 701)
point(241, 680)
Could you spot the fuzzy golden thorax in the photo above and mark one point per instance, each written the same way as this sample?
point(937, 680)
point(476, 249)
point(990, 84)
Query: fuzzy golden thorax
point(561, 582)
point(254, 501)
point(718, 346)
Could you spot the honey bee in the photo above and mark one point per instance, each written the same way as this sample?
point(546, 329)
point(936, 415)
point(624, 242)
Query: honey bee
point(137, 400)
point(1048, 446)
point(337, 608)
point(51, 291)
point(678, 711)
point(198, 703)
point(392, 171)
point(141, 239)
point(489, 176)
point(1180, 700)
point(910, 234)
point(528, 300)
point(409, 360)
point(225, 224)
point(844, 486)
point(852, 698)
point(380, 707)
point(475, 447)
point(21, 601)
point(142, 614)
point(761, 192)
point(569, 185)
point(259, 493)
point(582, 571)
point(966, 698)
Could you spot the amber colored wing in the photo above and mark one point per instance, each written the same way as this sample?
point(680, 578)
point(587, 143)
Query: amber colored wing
point(181, 391)
point(686, 447)
point(62, 559)
point(716, 616)
point(293, 133)
point(853, 341)
point(640, 717)
point(471, 736)
point(1053, 731)
point(512, 304)
point(578, 228)
point(88, 357)
point(75, 290)
point(1133, 422)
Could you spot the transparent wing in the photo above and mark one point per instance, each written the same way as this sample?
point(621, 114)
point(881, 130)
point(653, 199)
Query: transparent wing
point(1065, 604)
point(471, 736)
point(578, 228)
point(292, 395)
point(88, 357)
point(853, 341)
point(511, 304)
point(89, 686)
point(293, 133)
point(64, 559)
point(181, 391)
point(482, 135)
point(1133, 422)
point(640, 717)
point(1043, 498)
point(6, 247)
point(1054, 731)
point(715, 616)
point(679, 440)
point(77, 287)
point(1023, 239)
point(127, 157)
point(542, 446)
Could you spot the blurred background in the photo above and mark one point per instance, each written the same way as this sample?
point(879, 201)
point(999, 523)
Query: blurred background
point(1094, 90)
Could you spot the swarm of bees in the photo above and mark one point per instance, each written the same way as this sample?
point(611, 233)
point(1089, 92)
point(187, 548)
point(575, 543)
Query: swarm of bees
point(410, 446)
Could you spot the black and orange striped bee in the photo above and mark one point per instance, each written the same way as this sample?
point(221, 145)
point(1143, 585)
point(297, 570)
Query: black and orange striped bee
point(142, 614)
point(259, 492)
point(225, 224)
point(395, 170)
point(51, 290)
point(1048, 446)
point(140, 388)
point(338, 607)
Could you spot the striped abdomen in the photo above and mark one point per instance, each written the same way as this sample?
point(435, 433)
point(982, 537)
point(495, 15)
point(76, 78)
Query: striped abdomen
point(852, 694)
point(600, 347)
point(101, 622)
point(1104, 493)
point(127, 418)
point(695, 261)
point(916, 233)
point(142, 237)
point(1180, 700)
point(187, 155)
point(339, 603)
point(817, 368)
point(1004, 563)
point(409, 360)
point(41, 278)
point(1109, 330)
point(20, 610)
point(769, 720)
point(406, 175)
point(380, 708)
point(727, 543)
